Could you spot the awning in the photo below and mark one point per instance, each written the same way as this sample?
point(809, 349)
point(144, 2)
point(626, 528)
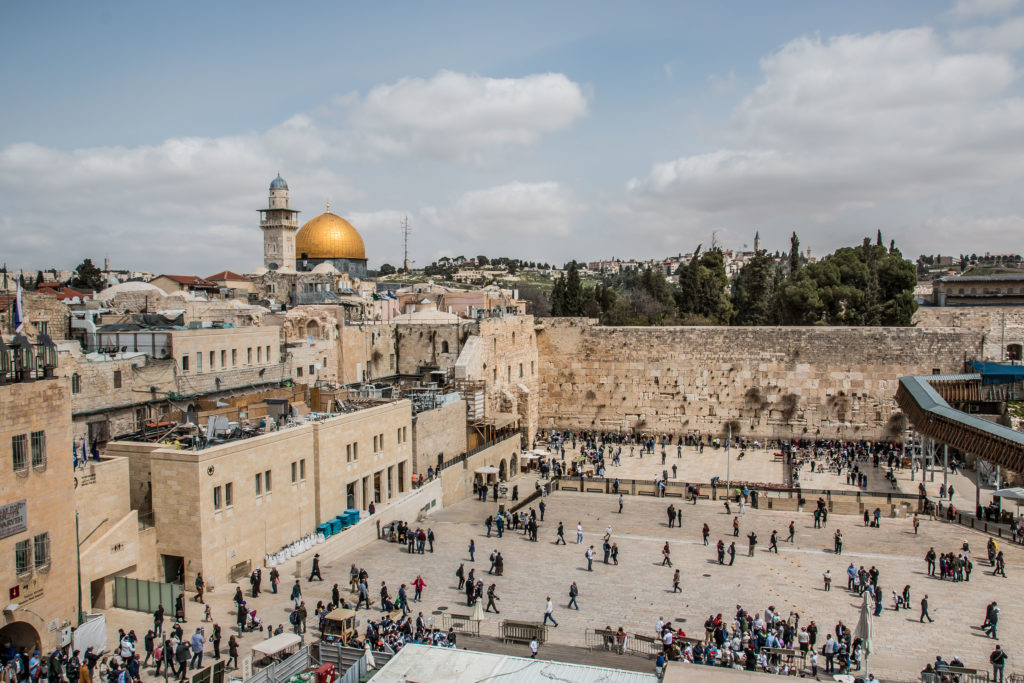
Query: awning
point(277, 644)
point(541, 452)
point(486, 470)
point(504, 419)
point(529, 456)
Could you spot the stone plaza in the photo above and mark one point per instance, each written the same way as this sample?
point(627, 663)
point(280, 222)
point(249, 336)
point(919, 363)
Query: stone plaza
point(638, 591)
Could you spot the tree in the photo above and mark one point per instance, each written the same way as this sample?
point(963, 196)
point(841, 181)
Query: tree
point(482, 260)
point(573, 302)
point(558, 297)
point(702, 297)
point(794, 254)
point(87, 277)
point(752, 292)
point(39, 279)
point(387, 269)
point(537, 302)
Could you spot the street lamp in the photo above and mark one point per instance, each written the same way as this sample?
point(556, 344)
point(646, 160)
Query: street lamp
point(49, 355)
point(24, 358)
point(6, 365)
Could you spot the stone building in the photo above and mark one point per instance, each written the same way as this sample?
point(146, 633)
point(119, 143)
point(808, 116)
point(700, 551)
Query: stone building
point(223, 508)
point(979, 290)
point(37, 513)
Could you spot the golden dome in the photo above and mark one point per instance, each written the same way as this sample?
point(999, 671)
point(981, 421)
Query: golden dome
point(329, 237)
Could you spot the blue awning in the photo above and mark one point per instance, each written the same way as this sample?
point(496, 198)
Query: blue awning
point(998, 373)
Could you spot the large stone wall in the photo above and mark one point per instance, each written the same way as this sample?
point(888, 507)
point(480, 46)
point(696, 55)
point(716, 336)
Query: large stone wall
point(763, 381)
point(999, 326)
point(440, 432)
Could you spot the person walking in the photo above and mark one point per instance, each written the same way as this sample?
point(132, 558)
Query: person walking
point(198, 642)
point(574, 592)
point(705, 532)
point(792, 532)
point(491, 597)
point(721, 551)
point(773, 542)
point(472, 549)
point(998, 661)
point(200, 586)
point(993, 622)
point(461, 574)
point(924, 610)
point(590, 558)
point(675, 583)
point(233, 652)
point(620, 503)
point(533, 648)
point(579, 533)
point(665, 558)
point(732, 553)
point(315, 571)
point(548, 613)
point(215, 641)
point(560, 534)
point(275, 578)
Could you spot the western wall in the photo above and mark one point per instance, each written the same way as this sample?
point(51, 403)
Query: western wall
point(764, 382)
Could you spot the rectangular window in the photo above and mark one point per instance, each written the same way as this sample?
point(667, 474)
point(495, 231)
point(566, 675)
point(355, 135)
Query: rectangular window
point(298, 372)
point(295, 476)
point(22, 557)
point(259, 354)
point(41, 549)
point(374, 443)
point(355, 451)
point(302, 469)
point(19, 452)
point(312, 370)
point(38, 449)
point(211, 360)
point(266, 481)
point(268, 353)
point(258, 481)
point(348, 452)
point(199, 361)
point(76, 383)
point(405, 434)
point(42, 327)
point(234, 357)
point(184, 363)
point(520, 369)
point(216, 498)
point(248, 356)
point(398, 435)
point(228, 497)
point(223, 358)
point(117, 379)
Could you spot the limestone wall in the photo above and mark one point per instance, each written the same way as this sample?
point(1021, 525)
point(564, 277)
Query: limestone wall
point(1000, 326)
point(366, 351)
point(764, 381)
point(441, 431)
point(457, 480)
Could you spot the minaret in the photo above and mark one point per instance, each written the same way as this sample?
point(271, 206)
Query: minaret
point(757, 242)
point(279, 225)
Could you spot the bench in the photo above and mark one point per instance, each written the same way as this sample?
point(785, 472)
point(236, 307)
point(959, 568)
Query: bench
point(965, 673)
point(522, 631)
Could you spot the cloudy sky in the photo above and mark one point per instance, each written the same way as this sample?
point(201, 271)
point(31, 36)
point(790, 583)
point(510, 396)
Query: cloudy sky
point(148, 132)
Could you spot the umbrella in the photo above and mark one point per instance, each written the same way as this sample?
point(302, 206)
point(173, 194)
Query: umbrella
point(478, 611)
point(1014, 494)
point(863, 630)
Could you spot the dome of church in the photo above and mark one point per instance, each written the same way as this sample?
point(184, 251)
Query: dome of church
point(278, 183)
point(329, 237)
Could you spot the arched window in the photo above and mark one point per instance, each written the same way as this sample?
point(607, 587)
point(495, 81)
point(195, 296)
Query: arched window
point(444, 347)
point(76, 383)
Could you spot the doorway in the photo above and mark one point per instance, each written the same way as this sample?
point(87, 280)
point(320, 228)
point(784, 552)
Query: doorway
point(174, 568)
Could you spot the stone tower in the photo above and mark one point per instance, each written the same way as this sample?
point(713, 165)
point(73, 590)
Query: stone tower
point(279, 224)
point(757, 242)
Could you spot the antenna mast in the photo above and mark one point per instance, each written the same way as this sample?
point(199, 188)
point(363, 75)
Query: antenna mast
point(406, 229)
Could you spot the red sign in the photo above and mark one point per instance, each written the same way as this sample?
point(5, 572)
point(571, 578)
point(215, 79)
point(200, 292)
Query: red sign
point(15, 592)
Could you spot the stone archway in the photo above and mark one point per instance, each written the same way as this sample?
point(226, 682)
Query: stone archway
point(501, 470)
point(22, 635)
point(313, 329)
point(513, 466)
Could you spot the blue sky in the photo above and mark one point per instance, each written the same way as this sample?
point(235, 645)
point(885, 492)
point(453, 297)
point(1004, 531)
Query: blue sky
point(148, 133)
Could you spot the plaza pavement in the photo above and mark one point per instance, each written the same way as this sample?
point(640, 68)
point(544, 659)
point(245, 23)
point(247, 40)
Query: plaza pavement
point(637, 592)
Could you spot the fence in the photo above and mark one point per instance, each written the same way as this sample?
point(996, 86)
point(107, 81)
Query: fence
point(145, 596)
point(277, 672)
point(349, 662)
point(460, 623)
point(211, 674)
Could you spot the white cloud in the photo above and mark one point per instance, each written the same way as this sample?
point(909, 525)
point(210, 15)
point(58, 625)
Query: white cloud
point(516, 209)
point(458, 116)
point(1005, 37)
point(974, 8)
point(846, 124)
point(191, 200)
